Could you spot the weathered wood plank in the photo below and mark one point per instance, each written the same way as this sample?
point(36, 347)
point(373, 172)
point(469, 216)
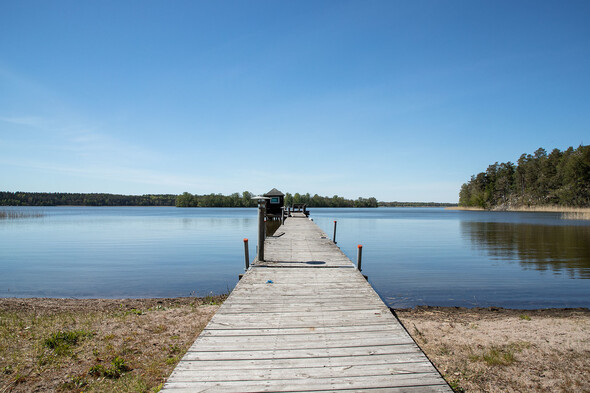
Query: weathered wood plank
point(419, 370)
point(309, 336)
point(302, 304)
point(293, 385)
point(405, 389)
point(286, 342)
point(342, 361)
point(196, 354)
point(384, 328)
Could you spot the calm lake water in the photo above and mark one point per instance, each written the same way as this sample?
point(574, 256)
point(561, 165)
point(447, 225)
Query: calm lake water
point(412, 256)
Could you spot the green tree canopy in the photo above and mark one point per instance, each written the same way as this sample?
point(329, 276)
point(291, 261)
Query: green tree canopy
point(558, 178)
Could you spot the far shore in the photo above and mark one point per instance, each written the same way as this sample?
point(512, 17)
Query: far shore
point(476, 350)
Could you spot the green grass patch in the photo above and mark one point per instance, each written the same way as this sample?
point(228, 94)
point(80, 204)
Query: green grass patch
point(498, 356)
point(116, 369)
point(74, 383)
point(454, 384)
point(212, 300)
point(62, 342)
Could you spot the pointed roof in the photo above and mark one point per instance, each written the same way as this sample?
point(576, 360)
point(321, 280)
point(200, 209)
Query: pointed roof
point(274, 192)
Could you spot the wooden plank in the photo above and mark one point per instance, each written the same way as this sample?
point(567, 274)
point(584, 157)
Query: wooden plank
point(325, 335)
point(311, 305)
point(294, 385)
point(323, 330)
point(351, 371)
point(287, 342)
point(301, 322)
point(195, 354)
point(311, 315)
point(405, 389)
point(342, 361)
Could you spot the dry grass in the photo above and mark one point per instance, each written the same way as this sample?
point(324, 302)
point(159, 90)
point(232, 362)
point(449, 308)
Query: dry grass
point(463, 208)
point(497, 350)
point(67, 345)
point(576, 216)
point(568, 213)
point(550, 209)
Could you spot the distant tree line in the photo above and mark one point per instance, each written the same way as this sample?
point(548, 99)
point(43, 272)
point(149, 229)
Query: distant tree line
point(559, 178)
point(73, 199)
point(325, 201)
point(416, 204)
point(245, 200)
point(189, 200)
point(216, 200)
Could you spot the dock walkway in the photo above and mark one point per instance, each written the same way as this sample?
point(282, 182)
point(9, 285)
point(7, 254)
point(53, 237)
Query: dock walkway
point(304, 320)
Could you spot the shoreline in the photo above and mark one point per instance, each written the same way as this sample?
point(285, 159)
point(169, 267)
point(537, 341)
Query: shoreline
point(537, 209)
point(490, 349)
point(567, 213)
point(95, 303)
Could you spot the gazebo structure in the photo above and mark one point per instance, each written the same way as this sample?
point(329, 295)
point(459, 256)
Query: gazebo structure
point(275, 203)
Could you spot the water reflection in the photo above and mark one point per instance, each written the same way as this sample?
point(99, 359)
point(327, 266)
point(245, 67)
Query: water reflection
point(560, 249)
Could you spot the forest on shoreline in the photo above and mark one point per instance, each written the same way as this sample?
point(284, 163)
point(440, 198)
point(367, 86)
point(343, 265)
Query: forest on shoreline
point(82, 199)
point(561, 178)
point(190, 200)
point(245, 200)
point(184, 200)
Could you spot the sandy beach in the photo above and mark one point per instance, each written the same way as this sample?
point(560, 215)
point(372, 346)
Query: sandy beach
point(132, 345)
point(501, 350)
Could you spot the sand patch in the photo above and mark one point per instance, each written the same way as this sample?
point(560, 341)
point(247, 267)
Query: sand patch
point(499, 350)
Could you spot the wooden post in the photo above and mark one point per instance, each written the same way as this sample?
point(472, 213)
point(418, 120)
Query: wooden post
point(334, 237)
point(246, 254)
point(261, 230)
point(359, 256)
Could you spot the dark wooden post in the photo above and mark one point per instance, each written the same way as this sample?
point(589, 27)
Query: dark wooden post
point(246, 254)
point(334, 237)
point(359, 256)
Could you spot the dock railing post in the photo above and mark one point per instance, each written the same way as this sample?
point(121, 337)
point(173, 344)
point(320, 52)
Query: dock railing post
point(246, 254)
point(359, 256)
point(334, 237)
point(261, 226)
point(261, 231)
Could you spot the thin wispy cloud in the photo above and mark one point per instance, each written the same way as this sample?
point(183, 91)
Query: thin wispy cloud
point(30, 121)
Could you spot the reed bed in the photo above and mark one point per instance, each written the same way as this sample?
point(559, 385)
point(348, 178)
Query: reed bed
point(465, 208)
point(549, 209)
point(576, 216)
point(12, 215)
point(568, 213)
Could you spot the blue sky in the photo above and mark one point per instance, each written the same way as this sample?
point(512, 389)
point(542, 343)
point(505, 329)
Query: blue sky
point(402, 101)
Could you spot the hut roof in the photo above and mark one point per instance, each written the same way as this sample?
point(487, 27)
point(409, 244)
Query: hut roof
point(274, 192)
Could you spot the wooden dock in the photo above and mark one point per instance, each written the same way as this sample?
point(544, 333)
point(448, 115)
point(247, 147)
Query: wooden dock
point(305, 320)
